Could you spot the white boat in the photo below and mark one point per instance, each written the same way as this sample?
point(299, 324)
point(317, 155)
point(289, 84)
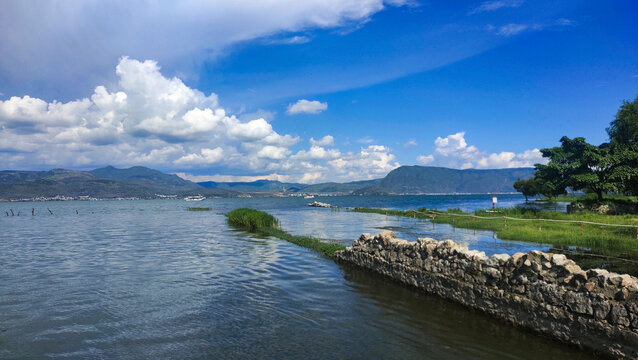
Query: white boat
point(195, 198)
point(309, 197)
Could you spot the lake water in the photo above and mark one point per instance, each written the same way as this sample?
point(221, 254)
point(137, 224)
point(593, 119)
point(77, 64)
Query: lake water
point(148, 279)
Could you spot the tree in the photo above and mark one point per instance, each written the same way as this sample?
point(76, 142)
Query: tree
point(529, 187)
point(624, 129)
point(578, 165)
point(623, 136)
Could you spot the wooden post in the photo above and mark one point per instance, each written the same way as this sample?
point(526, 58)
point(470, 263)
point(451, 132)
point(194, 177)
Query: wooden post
point(636, 232)
point(12, 214)
point(505, 218)
point(32, 211)
point(50, 212)
point(540, 224)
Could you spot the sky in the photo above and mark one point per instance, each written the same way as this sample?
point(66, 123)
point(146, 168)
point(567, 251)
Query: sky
point(307, 91)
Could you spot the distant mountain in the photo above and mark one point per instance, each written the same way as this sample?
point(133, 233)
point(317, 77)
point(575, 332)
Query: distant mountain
point(142, 182)
point(107, 182)
point(332, 187)
point(145, 177)
point(430, 179)
point(267, 186)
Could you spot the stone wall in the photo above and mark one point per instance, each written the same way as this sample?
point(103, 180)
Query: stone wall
point(545, 292)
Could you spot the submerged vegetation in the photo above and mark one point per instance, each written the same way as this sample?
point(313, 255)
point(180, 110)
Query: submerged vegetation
point(199, 209)
point(265, 224)
point(535, 228)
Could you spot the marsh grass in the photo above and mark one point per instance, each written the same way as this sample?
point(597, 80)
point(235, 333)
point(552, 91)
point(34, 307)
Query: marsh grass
point(265, 224)
point(199, 209)
point(603, 239)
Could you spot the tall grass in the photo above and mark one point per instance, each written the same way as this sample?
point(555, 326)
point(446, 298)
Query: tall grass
point(251, 219)
point(266, 224)
point(603, 239)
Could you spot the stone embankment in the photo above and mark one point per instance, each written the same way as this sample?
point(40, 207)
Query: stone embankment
point(544, 292)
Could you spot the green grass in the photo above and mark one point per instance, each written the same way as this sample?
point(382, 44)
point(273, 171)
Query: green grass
point(603, 239)
point(265, 224)
point(593, 199)
point(199, 209)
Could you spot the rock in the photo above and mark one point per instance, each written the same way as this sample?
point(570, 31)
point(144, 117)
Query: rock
point(618, 315)
point(559, 259)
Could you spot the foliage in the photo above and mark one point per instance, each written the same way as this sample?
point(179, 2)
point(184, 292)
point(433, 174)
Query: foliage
point(529, 187)
point(266, 224)
point(608, 168)
point(624, 129)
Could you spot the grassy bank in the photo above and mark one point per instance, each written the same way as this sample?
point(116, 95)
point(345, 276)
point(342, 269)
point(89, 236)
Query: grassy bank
point(603, 239)
point(265, 224)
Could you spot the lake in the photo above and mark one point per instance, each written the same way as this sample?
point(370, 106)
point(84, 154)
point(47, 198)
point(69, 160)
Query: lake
point(148, 279)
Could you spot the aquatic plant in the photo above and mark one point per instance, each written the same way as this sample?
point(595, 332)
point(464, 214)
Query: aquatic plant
point(199, 209)
point(266, 224)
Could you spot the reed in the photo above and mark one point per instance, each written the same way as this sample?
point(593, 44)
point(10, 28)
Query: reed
point(266, 224)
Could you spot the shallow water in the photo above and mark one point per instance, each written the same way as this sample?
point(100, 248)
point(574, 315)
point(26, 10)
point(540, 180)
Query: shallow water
point(148, 279)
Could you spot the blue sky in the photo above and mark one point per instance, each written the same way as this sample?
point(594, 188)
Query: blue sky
point(307, 91)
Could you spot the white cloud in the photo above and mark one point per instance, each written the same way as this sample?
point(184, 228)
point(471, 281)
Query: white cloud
point(512, 29)
point(327, 140)
point(232, 178)
point(206, 157)
point(152, 120)
point(365, 140)
point(425, 159)
point(303, 106)
point(453, 151)
point(515, 29)
point(411, 142)
point(80, 39)
point(495, 5)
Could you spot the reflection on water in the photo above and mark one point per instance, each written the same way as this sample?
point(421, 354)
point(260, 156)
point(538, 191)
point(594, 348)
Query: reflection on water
point(148, 279)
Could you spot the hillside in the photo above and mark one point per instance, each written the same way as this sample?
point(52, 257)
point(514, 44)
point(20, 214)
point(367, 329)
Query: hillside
point(267, 186)
point(102, 183)
point(146, 177)
point(430, 179)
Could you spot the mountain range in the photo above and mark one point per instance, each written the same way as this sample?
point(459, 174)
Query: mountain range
point(142, 182)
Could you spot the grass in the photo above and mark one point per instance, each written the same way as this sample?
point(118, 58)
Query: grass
point(603, 239)
point(199, 209)
point(265, 224)
point(593, 199)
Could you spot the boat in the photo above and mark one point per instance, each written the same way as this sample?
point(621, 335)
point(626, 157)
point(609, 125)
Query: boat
point(309, 197)
point(195, 198)
point(319, 204)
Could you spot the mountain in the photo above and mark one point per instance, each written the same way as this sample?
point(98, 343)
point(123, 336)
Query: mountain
point(436, 180)
point(142, 182)
point(146, 177)
point(268, 186)
point(104, 183)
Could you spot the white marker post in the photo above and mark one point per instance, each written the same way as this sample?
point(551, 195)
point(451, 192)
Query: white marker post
point(494, 201)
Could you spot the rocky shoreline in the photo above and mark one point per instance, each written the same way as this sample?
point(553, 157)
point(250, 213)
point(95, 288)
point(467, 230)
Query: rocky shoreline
point(544, 292)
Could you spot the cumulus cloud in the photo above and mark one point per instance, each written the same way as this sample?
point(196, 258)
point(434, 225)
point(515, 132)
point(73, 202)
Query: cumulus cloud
point(453, 151)
point(153, 120)
point(303, 106)
point(493, 5)
point(425, 159)
point(327, 140)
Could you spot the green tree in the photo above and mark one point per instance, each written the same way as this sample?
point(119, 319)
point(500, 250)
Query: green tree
point(529, 187)
point(623, 147)
point(578, 165)
point(624, 129)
